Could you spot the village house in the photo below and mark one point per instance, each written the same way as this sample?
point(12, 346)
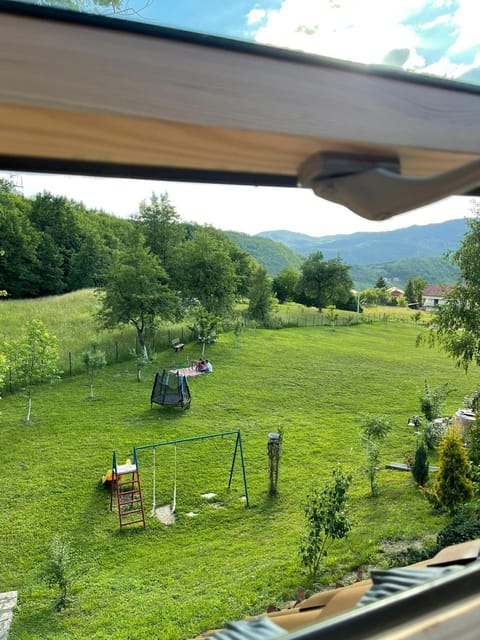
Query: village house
point(433, 295)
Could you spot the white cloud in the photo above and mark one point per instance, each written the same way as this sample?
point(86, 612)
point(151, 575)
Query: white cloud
point(255, 16)
point(465, 19)
point(346, 29)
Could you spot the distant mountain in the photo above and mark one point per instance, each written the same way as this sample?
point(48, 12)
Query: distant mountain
point(274, 256)
point(433, 270)
point(396, 255)
point(427, 241)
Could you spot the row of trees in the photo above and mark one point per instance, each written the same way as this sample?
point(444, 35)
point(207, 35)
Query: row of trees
point(150, 268)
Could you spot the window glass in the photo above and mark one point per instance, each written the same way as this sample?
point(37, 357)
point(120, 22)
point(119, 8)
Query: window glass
point(432, 37)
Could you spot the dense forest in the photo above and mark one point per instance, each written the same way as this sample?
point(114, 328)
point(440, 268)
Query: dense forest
point(51, 245)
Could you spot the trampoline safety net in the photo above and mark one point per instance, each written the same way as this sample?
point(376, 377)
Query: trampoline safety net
point(170, 389)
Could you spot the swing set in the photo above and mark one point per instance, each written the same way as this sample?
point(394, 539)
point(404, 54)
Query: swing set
point(167, 512)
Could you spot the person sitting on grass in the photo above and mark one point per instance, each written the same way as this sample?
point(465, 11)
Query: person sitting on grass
point(208, 367)
point(201, 366)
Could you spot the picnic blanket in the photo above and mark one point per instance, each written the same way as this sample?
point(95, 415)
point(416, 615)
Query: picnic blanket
point(188, 372)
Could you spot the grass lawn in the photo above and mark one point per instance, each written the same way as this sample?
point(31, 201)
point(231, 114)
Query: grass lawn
point(172, 582)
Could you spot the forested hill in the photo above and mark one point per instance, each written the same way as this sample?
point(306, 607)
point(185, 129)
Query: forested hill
point(426, 241)
point(274, 256)
point(398, 273)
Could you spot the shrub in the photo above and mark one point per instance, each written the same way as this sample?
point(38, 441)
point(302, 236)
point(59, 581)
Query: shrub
point(474, 443)
point(411, 555)
point(431, 402)
point(374, 429)
point(465, 525)
point(452, 486)
point(420, 465)
point(434, 433)
point(59, 571)
point(327, 520)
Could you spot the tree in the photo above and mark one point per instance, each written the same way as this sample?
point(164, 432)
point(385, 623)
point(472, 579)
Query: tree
point(260, 295)
point(160, 224)
point(323, 282)
point(33, 359)
point(332, 315)
point(326, 512)
point(456, 325)
point(285, 284)
point(93, 359)
point(208, 272)
point(205, 326)
point(89, 263)
point(19, 263)
point(60, 570)
point(59, 219)
point(420, 465)
point(452, 486)
point(136, 292)
point(414, 290)
point(381, 283)
point(374, 430)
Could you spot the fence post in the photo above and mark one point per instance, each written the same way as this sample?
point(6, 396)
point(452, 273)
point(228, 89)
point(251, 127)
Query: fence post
point(70, 362)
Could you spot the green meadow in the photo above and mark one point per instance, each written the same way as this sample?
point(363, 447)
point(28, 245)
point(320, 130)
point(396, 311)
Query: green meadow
point(219, 560)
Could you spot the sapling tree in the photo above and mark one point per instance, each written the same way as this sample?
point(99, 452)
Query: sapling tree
point(326, 512)
point(33, 359)
point(420, 465)
point(93, 359)
point(374, 429)
point(332, 315)
point(60, 571)
point(274, 450)
point(206, 325)
point(371, 467)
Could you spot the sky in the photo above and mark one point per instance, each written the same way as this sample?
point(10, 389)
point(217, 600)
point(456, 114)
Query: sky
point(437, 37)
point(233, 208)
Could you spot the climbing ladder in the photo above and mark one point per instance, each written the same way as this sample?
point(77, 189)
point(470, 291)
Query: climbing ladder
point(126, 485)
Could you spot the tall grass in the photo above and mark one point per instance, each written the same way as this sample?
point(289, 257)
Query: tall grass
point(226, 561)
point(72, 319)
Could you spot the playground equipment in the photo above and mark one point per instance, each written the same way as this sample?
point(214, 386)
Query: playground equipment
point(125, 484)
point(129, 494)
point(171, 389)
point(237, 450)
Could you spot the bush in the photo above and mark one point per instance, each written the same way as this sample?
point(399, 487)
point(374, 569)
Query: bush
point(420, 465)
point(465, 525)
point(327, 520)
point(474, 443)
point(59, 571)
point(434, 434)
point(431, 403)
point(452, 486)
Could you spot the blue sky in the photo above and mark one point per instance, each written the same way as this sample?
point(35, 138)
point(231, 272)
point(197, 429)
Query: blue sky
point(427, 36)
